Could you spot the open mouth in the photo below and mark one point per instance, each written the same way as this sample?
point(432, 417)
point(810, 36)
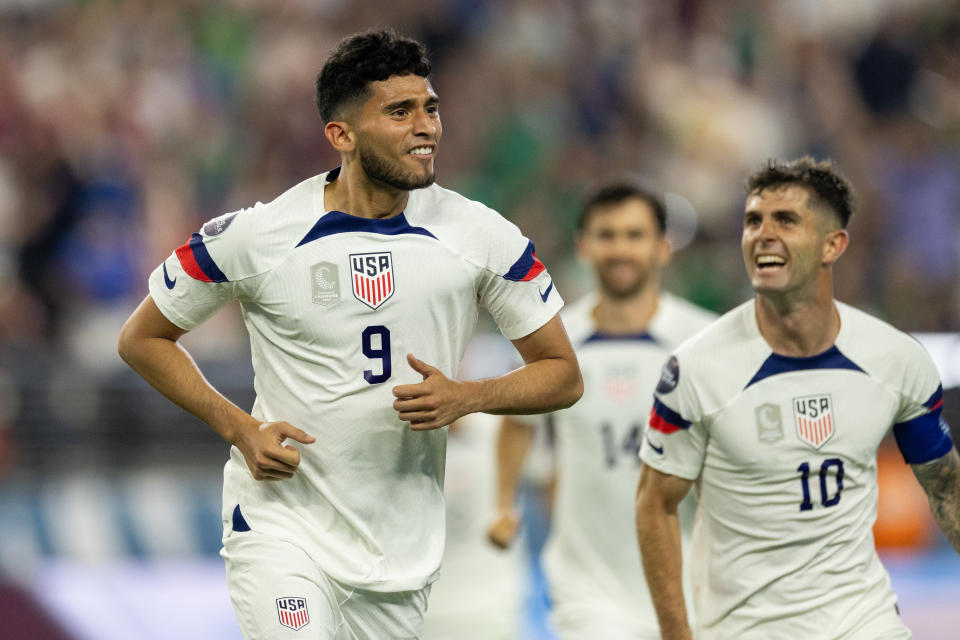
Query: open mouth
point(770, 262)
point(422, 152)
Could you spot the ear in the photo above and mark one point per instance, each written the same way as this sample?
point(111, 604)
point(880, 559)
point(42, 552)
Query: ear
point(579, 245)
point(664, 251)
point(834, 244)
point(340, 135)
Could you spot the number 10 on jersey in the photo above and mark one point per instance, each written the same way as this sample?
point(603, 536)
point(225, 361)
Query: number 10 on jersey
point(828, 497)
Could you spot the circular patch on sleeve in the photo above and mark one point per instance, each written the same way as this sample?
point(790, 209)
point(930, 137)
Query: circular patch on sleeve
point(218, 225)
point(669, 376)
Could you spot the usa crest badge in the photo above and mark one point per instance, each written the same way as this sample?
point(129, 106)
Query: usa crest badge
point(293, 612)
point(814, 418)
point(372, 277)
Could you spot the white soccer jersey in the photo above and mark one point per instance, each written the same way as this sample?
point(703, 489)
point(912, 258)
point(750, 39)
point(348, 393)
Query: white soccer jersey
point(333, 303)
point(783, 454)
point(591, 558)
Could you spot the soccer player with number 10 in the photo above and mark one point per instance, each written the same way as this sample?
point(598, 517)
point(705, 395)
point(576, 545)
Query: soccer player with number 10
point(775, 413)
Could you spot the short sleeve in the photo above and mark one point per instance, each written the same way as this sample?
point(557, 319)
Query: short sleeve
point(195, 281)
point(921, 432)
point(522, 297)
point(675, 440)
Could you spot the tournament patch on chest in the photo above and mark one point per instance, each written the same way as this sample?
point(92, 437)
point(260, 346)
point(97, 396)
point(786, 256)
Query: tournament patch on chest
point(769, 423)
point(814, 418)
point(325, 280)
point(371, 275)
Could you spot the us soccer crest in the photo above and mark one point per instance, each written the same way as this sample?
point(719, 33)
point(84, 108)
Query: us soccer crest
point(293, 612)
point(372, 277)
point(620, 382)
point(814, 418)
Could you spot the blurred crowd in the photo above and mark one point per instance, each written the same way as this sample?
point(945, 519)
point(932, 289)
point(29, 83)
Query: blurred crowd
point(125, 124)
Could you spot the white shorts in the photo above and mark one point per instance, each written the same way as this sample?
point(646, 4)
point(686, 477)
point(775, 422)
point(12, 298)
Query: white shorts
point(582, 620)
point(279, 593)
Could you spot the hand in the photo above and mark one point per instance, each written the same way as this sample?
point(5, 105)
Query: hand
point(503, 529)
point(266, 455)
point(433, 403)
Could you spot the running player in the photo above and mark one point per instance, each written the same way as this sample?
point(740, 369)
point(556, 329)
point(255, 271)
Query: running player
point(359, 288)
point(622, 334)
point(775, 413)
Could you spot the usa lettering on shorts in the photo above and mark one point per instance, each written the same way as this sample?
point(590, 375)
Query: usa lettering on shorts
point(293, 612)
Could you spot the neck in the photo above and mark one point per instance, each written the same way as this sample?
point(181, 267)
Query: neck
point(355, 193)
point(798, 328)
point(621, 316)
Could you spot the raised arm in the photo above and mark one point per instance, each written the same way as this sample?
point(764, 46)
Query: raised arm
point(549, 380)
point(940, 479)
point(658, 532)
point(513, 443)
point(149, 344)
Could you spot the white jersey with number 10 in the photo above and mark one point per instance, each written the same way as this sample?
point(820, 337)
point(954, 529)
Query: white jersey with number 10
point(783, 454)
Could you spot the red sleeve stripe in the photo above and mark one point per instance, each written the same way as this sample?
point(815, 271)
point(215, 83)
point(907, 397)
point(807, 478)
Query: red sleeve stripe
point(666, 420)
point(527, 267)
point(197, 262)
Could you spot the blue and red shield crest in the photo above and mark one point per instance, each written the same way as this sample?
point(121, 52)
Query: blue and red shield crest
point(293, 612)
point(372, 277)
point(814, 418)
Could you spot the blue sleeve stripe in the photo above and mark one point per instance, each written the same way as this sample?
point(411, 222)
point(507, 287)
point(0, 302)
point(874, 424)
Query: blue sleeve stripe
point(527, 267)
point(936, 400)
point(924, 438)
point(669, 414)
point(205, 261)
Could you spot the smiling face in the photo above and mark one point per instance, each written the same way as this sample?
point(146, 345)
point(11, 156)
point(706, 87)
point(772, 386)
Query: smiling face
point(624, 245)
point(788, 246)
point(397, 132)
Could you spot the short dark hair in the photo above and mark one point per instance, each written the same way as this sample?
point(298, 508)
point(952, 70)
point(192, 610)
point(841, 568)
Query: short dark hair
point(364, 58)
point(617, 193)
point(828, 187)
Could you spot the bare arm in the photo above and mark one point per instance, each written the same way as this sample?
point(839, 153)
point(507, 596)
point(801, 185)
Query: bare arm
point(148, 343)
point(513, 443)
point(658, 531)
point(940, 479)
point(549, 380)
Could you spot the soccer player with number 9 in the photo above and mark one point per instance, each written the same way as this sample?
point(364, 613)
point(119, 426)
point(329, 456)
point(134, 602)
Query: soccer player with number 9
point(359, 288)
point(774, 413)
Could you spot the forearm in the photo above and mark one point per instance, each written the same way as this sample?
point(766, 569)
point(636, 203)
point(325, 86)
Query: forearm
point(537, 387)
point(941, 482)
point(660, 548)
point(167, 366)
point(658, 533)
point(513, 442)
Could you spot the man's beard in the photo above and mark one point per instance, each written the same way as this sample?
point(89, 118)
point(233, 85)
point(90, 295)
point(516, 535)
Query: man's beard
point(619, 291)
point(379, 170)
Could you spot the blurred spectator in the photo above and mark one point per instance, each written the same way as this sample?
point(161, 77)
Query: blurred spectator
point(123, 126)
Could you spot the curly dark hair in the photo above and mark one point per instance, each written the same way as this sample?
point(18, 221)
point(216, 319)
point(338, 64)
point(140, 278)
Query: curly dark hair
point(364, 58)
point(618, 192)
point(829, 189)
